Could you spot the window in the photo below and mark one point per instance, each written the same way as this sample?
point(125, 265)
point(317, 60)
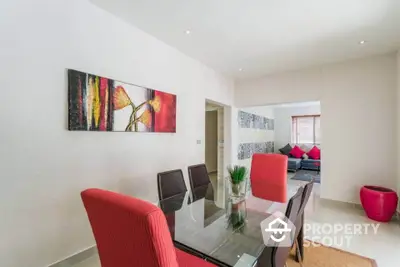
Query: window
point(306, 129)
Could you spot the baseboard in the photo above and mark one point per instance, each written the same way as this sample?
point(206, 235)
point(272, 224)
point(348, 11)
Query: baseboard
point(339, 203)
point(396, 217)
point(76, 258)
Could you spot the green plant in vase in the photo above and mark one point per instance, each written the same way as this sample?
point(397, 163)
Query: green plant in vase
point(237, 178)
point(237, 216)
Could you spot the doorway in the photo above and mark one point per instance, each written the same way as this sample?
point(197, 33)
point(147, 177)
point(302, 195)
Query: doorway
point(280, 128)
point(214, 141)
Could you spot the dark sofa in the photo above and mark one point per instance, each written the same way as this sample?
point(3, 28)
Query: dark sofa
point(295, 164)
point(311, 164)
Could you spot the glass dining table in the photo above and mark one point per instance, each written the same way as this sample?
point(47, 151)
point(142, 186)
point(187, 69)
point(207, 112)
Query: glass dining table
point(210, 224)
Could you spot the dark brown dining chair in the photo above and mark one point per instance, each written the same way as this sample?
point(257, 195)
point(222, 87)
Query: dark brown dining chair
point(169, 206)
point(277, 256)
point(170, 183)
point(306, 195)
point(304, 200)
point(198, 176)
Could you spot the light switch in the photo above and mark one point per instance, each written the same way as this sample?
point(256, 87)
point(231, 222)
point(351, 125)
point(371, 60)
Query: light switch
point(198, 142)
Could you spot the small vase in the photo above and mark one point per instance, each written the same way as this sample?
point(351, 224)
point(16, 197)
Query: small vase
point(237, 191)
point(236, 213)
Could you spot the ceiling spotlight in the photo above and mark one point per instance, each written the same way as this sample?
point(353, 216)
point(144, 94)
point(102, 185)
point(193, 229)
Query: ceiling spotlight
point(188, 32)
point(362, 42)
point(240, 69)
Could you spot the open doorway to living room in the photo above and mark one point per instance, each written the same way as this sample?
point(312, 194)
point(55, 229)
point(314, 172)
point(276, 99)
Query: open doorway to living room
point(298, 135)
point(292, 129)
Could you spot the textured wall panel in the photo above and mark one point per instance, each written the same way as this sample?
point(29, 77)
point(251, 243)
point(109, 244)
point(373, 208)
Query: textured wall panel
point(246, 150)
point(248, 120)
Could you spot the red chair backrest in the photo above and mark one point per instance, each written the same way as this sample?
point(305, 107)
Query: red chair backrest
point(128, 231)
point(268, 176)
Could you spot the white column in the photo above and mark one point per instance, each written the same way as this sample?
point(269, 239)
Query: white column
point(398, 126)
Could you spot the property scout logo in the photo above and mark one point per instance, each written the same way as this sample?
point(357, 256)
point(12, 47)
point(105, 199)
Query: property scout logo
point(279, 231)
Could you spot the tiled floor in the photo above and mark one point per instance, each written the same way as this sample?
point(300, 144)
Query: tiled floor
point(384, 246)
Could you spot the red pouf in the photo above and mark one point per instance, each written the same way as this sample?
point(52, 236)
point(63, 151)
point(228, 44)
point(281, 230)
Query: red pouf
point(379, 203)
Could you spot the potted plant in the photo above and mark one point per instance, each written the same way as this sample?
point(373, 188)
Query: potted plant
point(238, 181)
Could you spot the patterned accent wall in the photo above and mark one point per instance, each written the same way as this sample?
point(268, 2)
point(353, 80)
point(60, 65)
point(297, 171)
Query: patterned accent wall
point(246, 150)
point(253, 123)
point(248, 120)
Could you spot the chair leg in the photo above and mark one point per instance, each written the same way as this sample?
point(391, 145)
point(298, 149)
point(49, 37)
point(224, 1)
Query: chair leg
point(298, 253)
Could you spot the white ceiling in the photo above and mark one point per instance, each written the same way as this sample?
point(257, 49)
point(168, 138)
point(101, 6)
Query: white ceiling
point(265, 36)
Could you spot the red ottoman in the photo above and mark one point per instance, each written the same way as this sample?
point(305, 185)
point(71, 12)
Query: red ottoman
point(379, 203)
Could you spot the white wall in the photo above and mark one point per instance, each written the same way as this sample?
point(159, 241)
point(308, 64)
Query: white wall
point(398, 125)
point(43, 166)
point(283, 121)
point(358, 104)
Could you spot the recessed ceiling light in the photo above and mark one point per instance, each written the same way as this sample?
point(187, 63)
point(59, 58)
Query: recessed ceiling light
point(362, 42)
point(240, 69)
point(188, 32)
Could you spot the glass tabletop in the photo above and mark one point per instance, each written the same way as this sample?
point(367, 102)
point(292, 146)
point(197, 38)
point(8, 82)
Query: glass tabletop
point(224, 231)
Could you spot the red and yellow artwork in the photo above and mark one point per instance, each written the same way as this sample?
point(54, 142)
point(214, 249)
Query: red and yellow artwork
point(102, 104)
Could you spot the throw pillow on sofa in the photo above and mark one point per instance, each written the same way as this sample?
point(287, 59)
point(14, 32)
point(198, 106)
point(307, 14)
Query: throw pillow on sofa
point(306, 147)
point(314, 153)
point(297, 152)
point(286, 150)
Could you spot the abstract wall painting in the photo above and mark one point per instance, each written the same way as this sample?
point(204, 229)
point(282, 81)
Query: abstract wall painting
point(102, 104)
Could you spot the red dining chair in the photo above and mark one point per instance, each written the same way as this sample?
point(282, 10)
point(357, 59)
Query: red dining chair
point(132, 232)
point(268, 176)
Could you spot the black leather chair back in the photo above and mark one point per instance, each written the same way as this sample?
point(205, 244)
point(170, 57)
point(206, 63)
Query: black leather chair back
point(306, 196)
point(198, 176)
point(304, 200)
point(280, 254)
point(170, 183)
